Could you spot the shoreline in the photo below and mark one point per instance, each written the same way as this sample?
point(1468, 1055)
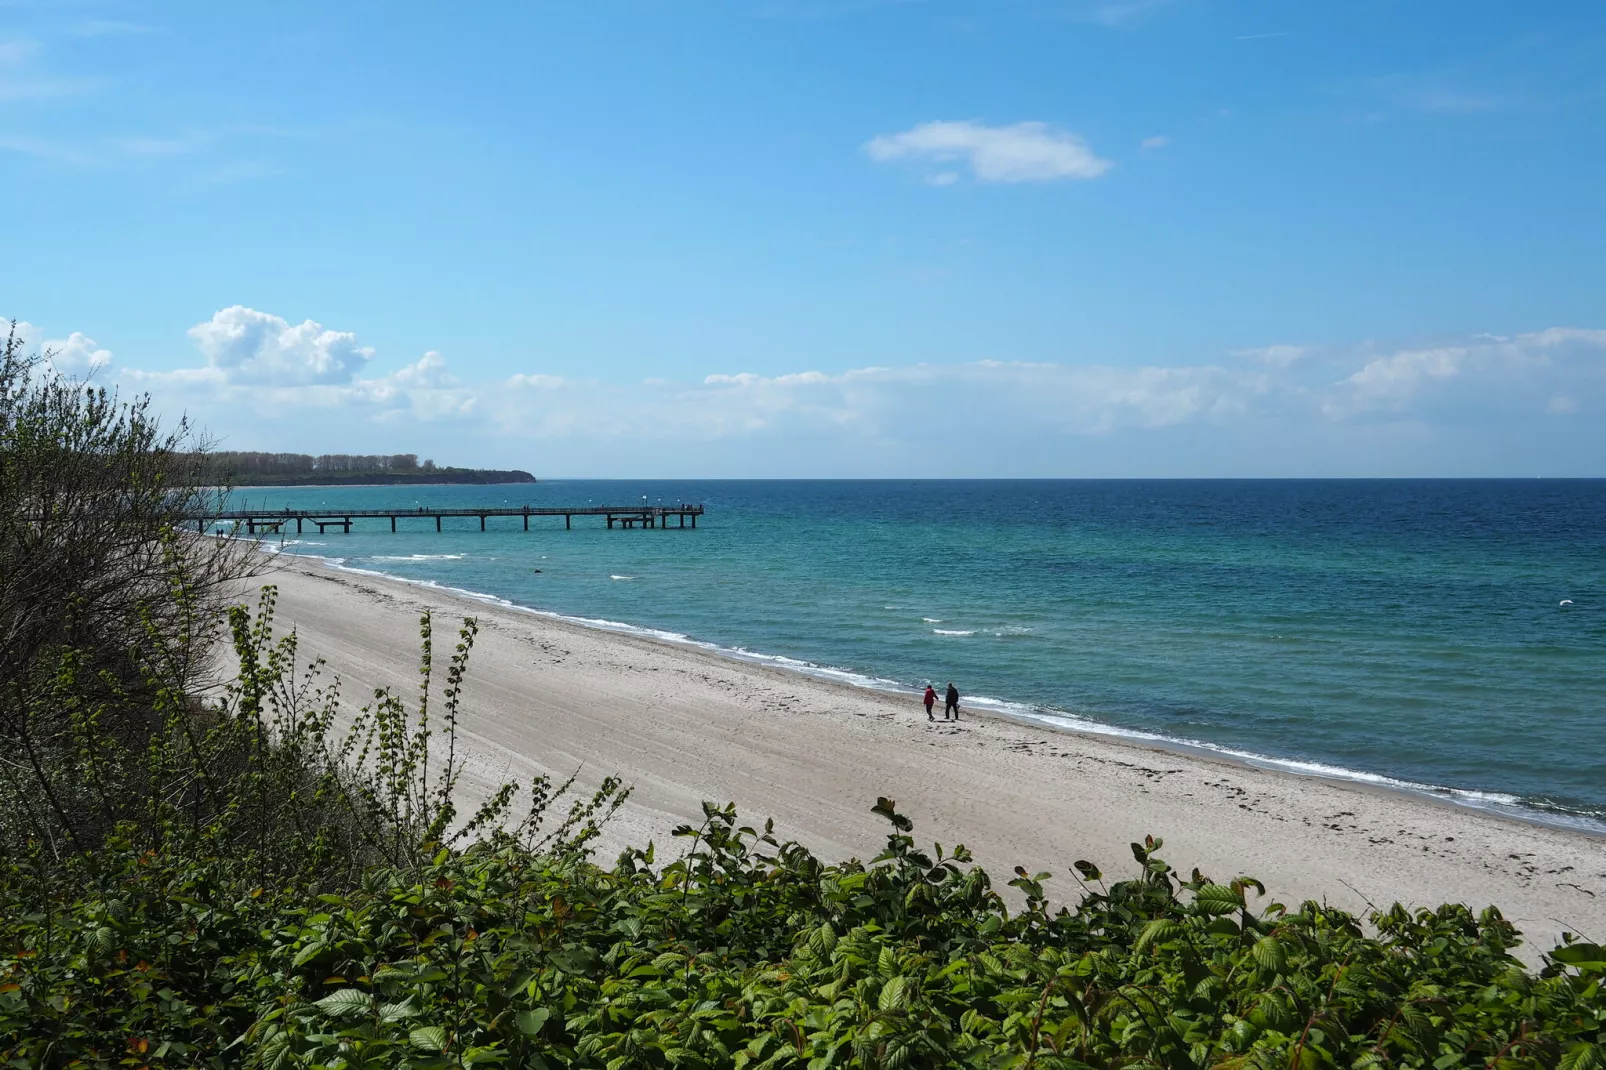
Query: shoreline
point(1487, 802)
point(683, 723)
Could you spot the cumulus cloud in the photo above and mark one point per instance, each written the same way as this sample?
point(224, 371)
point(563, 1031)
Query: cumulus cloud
point(1398, 376)
point(1022, 152)
point(429, 372)
point(1484, 373)
point(261, 375)
point(242, 345)
point(76, 355)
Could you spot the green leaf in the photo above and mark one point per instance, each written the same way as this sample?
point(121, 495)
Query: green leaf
point(1587, 958)
point(530, 1022)
point(1216, 899)
point(1157, 931)
point(428, 1038)
point(1583, 1057)
point(395, 1012)
point(347, 1001)
point(894, 994)
point(1269, 954)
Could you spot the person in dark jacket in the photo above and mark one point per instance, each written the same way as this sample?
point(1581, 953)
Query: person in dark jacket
point(952, 704)
point(930, 699)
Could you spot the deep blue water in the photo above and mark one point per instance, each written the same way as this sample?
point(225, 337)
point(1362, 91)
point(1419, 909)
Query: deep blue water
point(1410, 630)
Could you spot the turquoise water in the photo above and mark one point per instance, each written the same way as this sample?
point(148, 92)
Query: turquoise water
point(1411, 632)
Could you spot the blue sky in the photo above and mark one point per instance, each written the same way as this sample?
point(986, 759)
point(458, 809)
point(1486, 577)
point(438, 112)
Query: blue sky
point(828, 237)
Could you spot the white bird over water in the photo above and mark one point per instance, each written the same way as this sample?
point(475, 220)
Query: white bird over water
point(1566, 601)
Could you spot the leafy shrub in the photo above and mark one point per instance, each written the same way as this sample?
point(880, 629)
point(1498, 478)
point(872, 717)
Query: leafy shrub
point(103, 603)
point(478, 943)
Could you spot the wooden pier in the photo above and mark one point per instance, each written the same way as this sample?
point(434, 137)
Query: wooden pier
point(278, 520)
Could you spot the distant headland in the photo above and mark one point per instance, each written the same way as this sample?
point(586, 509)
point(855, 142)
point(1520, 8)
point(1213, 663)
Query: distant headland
point(243, 469)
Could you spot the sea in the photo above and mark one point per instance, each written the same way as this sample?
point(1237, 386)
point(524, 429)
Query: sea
point(1446, 637)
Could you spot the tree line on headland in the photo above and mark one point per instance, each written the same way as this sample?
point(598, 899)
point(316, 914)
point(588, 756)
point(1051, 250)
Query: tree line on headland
point(254, 469)
point(248, 871)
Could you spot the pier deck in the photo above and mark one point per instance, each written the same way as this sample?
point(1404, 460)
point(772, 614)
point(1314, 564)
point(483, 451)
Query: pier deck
point(624, 516)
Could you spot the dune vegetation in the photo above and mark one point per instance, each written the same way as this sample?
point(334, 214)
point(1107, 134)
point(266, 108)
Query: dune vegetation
point(213, 868)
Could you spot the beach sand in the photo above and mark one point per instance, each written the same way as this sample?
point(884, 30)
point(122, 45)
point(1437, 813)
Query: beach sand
point(681, 725)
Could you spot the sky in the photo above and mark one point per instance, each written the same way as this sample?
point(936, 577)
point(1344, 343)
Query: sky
point(827, 238)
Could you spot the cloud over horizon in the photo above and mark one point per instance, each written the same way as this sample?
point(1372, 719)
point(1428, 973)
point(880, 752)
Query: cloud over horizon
point(307, 386)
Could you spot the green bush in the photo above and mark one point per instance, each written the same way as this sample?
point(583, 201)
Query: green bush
point(480, 943)
point(749, 953)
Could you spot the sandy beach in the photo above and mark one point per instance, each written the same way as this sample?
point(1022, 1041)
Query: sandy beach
point(682, 725)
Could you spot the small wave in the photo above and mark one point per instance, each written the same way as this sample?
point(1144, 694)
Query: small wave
point(420, 557)
point(933, 620)
point(1011, 632)
point(946, 631)
point(621, 577)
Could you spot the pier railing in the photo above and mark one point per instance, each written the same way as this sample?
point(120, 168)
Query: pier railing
point(276, 520)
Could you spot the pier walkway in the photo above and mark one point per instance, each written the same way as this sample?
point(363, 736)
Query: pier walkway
point(276, 520)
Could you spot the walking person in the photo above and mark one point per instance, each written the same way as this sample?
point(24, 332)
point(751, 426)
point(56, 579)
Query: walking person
point(930, 700)
point(952, 704)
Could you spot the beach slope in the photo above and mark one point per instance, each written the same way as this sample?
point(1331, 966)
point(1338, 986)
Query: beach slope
point(682, 725)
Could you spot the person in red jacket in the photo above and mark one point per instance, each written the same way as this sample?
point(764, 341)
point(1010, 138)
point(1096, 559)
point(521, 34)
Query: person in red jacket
point(931, 700)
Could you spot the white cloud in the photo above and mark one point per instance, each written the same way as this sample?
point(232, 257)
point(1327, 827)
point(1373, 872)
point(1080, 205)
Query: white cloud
point(26, 332)
point(429, 371)
point(265, 381)
point(243, 345)
point(76, 355)
point(1560, 336)
point(1159, 141)
point(1022, 152)
point(1398, 376)
point(535, 381)
point(1483, 373)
